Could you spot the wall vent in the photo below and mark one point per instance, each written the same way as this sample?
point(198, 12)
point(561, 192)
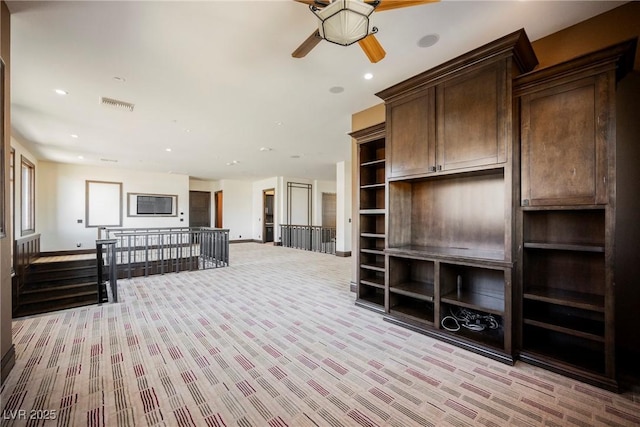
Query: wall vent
point(110, 102)
point(109, 160)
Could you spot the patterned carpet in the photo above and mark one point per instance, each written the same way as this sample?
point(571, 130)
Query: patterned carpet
point(273, 340)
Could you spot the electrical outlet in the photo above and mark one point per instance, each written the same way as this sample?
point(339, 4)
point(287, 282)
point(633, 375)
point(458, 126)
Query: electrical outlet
point(78, 245)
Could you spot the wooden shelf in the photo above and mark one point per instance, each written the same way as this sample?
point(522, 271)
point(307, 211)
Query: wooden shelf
point(414, 289)
point(372, 186)
point(564, 247)
point(374, 235)
point(489, 337)
point(372, 211)
point(476, 301)
point(417, 310)
point(567, 330)
point(370, 282)
point(377, 162)
point(568, 298)
point(372, 251)
point(565, 349)
point(379, 266)
point(444, 252)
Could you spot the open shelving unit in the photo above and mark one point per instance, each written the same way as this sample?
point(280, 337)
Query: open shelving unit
point(371, 203)
point(500, 194)
point(577, 217)
point(450, 191)
point(564, 288)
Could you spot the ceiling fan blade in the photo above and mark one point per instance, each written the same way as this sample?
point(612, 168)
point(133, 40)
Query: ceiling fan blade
point(372, 48)
point(396, 4)
point(307, 45)
point(311, 2)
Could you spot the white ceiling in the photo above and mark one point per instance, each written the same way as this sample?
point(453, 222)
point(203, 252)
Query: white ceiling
point(215, 80)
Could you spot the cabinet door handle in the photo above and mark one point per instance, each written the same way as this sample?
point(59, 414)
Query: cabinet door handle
point(439, 167)
point(432, 168)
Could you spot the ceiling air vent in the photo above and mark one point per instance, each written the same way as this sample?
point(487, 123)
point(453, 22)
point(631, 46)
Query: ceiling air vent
point(110, 102)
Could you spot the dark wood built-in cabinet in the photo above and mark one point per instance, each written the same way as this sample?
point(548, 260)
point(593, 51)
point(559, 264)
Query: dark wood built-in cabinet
point(370, 221)
point(573, 269)
point(491, 197)
point(450, 211)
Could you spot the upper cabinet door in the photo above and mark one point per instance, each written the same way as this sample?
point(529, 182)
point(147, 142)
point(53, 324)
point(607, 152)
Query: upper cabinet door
point(411, 135)
point(565, 131)
point(474, 118)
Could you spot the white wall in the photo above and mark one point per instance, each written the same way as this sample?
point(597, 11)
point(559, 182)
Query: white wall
point(317, 188)
point(343, 207)
point(237, 209)
point(300, 204)
point(61, 198)
point(258, 207)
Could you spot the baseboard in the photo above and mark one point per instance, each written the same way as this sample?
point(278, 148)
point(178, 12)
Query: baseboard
point(8, 361)
point(343, 254)
point(73, 252)
point(277, 243)
point(353, 287)
point(243, 241)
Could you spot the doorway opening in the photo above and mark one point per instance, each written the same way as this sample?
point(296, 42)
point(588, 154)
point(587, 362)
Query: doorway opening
point(217, 201)
point(267, 221)
point(199, 209)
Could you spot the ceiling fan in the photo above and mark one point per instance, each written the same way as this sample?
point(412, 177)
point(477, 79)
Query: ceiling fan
point(345, 22)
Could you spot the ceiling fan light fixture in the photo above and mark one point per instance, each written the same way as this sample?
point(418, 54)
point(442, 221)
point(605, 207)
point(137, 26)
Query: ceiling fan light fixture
point(345, 22)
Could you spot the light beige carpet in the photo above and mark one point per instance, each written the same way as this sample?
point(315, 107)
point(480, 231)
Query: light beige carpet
point(273, 340)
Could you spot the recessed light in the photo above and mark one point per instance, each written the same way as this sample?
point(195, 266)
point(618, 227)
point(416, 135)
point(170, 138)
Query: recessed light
point(73, 135)
point(187, 130)
point(167, 149)
point(81, 157)
point(368, 76)
point(336, 89)
point(266, 149)
point(279, 123)
point(61, 92)
point(428, 40)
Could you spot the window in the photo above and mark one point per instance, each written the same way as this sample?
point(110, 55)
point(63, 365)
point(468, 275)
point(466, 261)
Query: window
point(28, 192)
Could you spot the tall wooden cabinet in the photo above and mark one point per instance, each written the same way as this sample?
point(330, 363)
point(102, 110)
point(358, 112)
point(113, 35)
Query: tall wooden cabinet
point(370, 220)
point(499, 210)
point(569, 215)
point(450, 210)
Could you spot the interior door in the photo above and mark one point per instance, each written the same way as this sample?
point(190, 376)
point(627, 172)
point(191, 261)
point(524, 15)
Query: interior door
point(329, 210)
point(218, 207)
point(199, 209)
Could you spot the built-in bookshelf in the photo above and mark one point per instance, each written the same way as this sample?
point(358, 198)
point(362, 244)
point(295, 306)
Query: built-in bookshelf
point(371, 214)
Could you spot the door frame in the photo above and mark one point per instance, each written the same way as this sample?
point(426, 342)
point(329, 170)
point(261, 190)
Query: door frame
point(208, 205)
point(217, 201)
point(264, 213)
